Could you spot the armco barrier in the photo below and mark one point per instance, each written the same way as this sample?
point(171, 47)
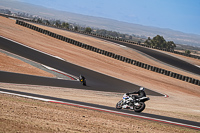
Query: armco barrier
point(112, 55)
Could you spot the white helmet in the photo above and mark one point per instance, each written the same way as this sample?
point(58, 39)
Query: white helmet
point(142, 88)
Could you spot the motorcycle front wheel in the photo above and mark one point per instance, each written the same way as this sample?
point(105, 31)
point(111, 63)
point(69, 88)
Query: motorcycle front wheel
point(140, 107)
point(119, 104)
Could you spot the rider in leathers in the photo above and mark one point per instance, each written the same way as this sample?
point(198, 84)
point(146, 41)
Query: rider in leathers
point(140, 93)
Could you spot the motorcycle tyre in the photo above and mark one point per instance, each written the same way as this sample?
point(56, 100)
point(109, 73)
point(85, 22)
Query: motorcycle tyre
point(140, 109)
point(119, 104)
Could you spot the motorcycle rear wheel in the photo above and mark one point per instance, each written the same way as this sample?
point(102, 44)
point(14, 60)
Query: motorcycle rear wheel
point(119, 104)
point(140, 107)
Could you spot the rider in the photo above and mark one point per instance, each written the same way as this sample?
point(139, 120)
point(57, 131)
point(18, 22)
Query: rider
point(82, 80)
point(81, 77)
point(140, 93)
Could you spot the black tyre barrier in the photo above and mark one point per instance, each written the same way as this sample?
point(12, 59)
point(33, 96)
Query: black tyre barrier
point(95, 49)
point(118, 57)
point(136, 63)
point(60, 37)
point(34, 27)
point(151, 68)
point(83, 45)
point(55, 35)
point(197, 82)
point(112, 55)
point(86, 47)
point(75, 43)
point(69, 40)
point(121, 58)
point(17, 21)
point(105, 53)
point(66, 40)
point(108, 54)
point(186, 79)
point(80, 44)
point(115, 56)
point(128, 60)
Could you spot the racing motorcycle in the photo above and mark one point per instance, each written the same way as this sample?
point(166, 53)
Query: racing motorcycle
point(82, 80)
point(129, 102)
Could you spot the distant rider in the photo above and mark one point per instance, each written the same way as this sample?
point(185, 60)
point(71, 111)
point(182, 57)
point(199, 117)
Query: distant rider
point(81, 77)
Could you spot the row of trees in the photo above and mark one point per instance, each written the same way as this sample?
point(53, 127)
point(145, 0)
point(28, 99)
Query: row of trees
point(159, 41)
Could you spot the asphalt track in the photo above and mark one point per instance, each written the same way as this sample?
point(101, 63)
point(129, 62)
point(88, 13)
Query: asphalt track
point(95, 81)
point(161, 57)
point(158, 118)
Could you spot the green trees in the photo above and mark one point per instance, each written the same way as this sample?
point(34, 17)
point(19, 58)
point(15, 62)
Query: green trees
point(65, 25)
point(159, 41)
point(187, 52)
point(76, 28)
point(88, 30)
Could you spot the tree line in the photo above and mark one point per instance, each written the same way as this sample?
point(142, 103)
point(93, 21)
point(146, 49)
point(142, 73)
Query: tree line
point(160, 42)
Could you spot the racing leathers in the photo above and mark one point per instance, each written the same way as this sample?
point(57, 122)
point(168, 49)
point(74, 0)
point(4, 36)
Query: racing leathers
point(140, 93)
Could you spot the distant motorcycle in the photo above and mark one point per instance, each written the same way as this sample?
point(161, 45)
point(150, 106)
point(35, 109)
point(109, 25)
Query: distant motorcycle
point(82, 79)
point(129, 102)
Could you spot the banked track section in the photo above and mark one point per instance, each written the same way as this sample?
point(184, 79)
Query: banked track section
point(152, 117)
point(161, 56)
point(95, 80)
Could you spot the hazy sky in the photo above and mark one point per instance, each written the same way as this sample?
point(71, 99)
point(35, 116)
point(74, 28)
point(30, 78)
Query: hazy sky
point(181, 15)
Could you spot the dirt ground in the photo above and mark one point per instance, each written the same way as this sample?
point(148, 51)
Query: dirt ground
point(27, 115)
point(183, 100)
point(11, 64)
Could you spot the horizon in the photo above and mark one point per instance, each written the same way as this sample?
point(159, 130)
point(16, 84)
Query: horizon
point(143, 12)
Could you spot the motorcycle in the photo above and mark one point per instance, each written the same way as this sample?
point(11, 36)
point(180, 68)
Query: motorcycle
point(129, 102)
point(82, 80)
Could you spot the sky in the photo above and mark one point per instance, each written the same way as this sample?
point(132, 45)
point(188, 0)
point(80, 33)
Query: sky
point(180, 15)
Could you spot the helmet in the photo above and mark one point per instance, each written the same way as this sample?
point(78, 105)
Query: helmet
point(142, 88)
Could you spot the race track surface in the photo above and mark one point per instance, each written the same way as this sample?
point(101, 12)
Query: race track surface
point(95, 80)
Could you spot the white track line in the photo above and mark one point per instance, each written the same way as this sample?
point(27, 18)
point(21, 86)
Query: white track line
point(63, 73)
point(104, 110)
point(197, 66)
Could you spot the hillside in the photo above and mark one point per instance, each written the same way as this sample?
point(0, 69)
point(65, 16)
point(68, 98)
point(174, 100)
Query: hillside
point(103, 23)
